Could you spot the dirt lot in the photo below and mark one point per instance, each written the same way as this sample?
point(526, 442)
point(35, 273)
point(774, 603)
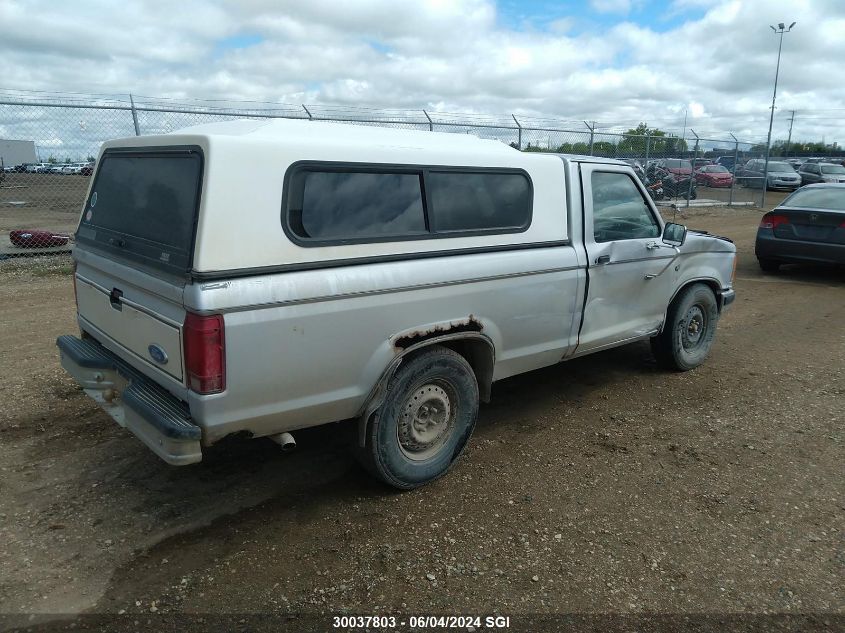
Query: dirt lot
point(599, 485)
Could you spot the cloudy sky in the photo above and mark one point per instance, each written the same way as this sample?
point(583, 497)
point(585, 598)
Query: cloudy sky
point(617, 62)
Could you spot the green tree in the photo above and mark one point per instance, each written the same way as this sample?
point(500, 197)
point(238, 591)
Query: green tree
point(659, 143)
point(52, 160)
point(604, 148)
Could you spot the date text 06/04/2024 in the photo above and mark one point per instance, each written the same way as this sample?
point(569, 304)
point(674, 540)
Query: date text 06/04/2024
point(421, 621)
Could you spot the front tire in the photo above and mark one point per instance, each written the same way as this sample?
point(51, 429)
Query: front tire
point(690, 329)
point(426, 420)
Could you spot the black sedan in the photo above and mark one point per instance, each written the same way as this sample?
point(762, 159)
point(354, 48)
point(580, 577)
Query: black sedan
point(807, 227)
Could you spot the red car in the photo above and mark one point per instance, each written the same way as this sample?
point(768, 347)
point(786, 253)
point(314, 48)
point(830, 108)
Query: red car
point(34, 238)
point(713, 176)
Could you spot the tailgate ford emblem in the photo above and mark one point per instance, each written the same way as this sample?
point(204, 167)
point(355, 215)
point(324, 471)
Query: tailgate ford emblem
point(157, 354)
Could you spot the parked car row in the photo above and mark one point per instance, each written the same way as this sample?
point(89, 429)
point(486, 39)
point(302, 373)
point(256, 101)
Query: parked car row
point(83, 168)
point(724, 172)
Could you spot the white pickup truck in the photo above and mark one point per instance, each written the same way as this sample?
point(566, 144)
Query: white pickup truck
point(267, 276)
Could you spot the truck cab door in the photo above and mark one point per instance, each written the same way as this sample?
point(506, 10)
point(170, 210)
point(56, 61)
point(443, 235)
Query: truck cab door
point(630, 270)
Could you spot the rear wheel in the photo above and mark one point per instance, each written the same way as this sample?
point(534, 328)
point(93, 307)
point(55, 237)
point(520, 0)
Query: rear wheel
point(426, 419)
point(689, 331)
point(769, 265)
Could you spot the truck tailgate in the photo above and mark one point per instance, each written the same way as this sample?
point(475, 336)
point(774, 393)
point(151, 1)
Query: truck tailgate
point(151, 338)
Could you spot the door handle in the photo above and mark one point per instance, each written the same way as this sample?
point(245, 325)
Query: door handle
point(603, 259)
point(114, 299)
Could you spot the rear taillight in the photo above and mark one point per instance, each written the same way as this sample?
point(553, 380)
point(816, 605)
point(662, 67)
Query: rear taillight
point(842, 224)
point(205, 353)
point(773, 220)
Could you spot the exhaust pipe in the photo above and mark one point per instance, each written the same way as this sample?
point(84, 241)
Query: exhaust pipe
point(285, 440)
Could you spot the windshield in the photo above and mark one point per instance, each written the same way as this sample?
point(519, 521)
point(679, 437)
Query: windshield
point(676, 163)
point(716, 169)
point(833, 169)
point(832, 198)
point(780, 167)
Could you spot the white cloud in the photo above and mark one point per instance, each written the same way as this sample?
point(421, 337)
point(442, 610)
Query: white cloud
point(444, 55)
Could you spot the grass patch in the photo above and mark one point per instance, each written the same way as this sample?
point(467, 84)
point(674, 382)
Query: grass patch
point(58, 271)
point(37, 267)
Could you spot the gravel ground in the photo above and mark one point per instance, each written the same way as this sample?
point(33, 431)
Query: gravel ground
point(602, 485)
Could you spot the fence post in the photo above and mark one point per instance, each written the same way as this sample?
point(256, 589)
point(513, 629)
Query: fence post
point(647, 143)
point(430, 124)
point(592, 134)
point(733, 180)
point(307, 111)
point(519, 133)
point(692, 170)
point(134, 115)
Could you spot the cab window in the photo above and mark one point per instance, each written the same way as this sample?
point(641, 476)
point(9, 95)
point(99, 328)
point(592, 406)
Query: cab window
point(619, 210)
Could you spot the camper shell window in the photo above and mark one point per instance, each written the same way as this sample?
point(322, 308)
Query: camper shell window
point(329, 203)
point(143, 206)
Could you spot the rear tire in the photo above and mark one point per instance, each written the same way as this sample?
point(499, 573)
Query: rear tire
point(769, 265)
point(689, 331)
point(425, 421)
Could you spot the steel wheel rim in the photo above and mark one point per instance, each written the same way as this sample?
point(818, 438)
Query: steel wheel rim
point(426, 421)
point(693, 327)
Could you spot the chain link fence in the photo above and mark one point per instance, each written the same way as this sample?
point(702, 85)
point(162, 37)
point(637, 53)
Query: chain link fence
point(48, 149)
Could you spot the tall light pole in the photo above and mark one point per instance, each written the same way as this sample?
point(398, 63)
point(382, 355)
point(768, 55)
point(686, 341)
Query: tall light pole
point(780, 30)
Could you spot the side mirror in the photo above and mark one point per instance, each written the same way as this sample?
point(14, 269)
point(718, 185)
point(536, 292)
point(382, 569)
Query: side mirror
point(674, 234)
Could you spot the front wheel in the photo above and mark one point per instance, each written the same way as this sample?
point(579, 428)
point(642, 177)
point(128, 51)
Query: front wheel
point(689, 330)
point(426, 419)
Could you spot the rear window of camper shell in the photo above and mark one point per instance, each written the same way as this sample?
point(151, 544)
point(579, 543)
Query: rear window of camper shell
point(143, 205)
